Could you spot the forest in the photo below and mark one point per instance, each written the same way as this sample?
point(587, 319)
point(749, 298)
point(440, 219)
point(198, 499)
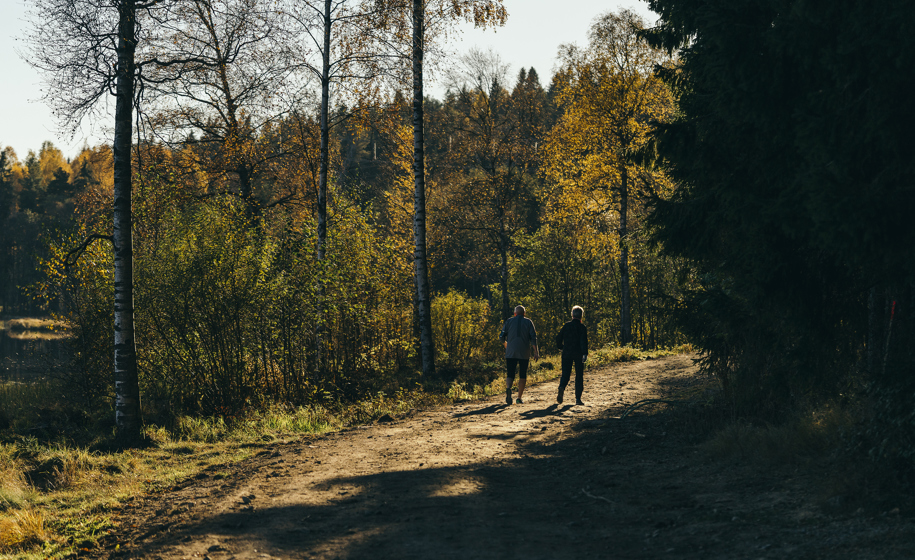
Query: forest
point(234, 306)
point(285, 219)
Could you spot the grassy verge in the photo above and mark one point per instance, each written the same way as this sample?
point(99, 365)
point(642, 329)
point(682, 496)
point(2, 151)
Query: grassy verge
point(806, 437)
point(816, 444)
point(58, 492)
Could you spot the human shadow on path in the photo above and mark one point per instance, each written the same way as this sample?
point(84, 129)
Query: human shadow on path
point(552, 410)
point(491, 409)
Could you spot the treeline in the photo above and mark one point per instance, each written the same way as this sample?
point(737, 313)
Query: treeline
point(793, 156)
point(37, 196)
point(535, 195)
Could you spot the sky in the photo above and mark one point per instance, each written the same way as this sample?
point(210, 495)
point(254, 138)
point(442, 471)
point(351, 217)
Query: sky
point(531, 37)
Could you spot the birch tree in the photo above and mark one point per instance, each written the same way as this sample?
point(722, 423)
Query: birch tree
point(349, 39)
point(87, 51)
point(481, 13)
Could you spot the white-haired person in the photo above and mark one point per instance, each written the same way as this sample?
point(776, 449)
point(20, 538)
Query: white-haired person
point(519, 337)
point(573, 341)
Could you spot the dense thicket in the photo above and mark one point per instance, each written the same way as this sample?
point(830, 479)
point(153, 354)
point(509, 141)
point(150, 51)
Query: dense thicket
point(795, 167)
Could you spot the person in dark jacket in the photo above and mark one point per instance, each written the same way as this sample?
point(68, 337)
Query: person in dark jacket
point(573, 341)
point(519, 337)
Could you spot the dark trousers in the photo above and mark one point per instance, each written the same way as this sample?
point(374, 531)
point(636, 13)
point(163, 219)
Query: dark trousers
point(567, 361)
point(511, 364)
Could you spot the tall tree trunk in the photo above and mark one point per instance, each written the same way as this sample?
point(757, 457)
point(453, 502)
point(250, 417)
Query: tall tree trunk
point(126, 381)
point(322, 184)
point(871, 328)
point(507, 311)
point(420, 264)
point(625, 305)
point(246, 189)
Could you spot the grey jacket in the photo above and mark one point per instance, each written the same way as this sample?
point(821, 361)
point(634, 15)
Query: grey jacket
point(520, 334)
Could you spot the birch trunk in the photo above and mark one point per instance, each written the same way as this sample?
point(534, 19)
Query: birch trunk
point(507, 310)
point(126, 382)
point(625, 311)
point(322, 183)
point(420, 264)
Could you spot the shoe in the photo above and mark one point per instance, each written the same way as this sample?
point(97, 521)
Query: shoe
point(559, 398)
point(579, 403)
point(519, 401)
point(508, 398)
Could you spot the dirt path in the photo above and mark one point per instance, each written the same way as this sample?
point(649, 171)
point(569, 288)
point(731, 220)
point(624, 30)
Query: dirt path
point(486, 480)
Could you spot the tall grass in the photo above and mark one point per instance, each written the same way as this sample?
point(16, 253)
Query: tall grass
point(24, 528)
point(802, 438)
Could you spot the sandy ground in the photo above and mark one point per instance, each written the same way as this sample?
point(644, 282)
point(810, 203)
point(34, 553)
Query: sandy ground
point(487, 480)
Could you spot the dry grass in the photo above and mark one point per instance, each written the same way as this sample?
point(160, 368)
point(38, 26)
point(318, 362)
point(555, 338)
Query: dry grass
point(23, 529)
point(34, 328)
point(14, 490)
point(801, 439)
point(38, 335)
point(31, 324)
point(616, 354)
point(56, 498)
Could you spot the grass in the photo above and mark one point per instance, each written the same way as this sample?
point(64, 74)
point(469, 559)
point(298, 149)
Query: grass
point(58, 493)
point(615, 354)
point(23, 529)
point(803, 438)
point(816, 442)
point(30, 324)
point(32, 328)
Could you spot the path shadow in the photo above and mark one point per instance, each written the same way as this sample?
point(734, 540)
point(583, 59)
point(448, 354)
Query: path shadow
point(588, 494)
point(491, 409)
point(448, 513)
point(552, 410)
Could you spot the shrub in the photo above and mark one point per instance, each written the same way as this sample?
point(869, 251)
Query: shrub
point(460, 327)
point(229, 307)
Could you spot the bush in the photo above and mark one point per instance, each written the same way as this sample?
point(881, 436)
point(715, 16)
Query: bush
point(460, 328)
point(228, 311)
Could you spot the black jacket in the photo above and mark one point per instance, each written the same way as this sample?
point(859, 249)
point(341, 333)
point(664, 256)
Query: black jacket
point(573, 338)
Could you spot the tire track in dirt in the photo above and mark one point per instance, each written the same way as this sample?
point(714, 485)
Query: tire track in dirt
point(488, 480)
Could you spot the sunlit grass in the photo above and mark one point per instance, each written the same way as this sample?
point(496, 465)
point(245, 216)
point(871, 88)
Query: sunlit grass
point(30, 324)
point(615, 354)
point(33, 328)
point(24, 528)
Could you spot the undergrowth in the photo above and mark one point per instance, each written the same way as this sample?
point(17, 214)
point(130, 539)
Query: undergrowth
point(806, 437)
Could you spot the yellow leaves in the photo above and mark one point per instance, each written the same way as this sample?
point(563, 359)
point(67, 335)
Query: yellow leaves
point(611, 100)
point(480, 12)
point(50, 159)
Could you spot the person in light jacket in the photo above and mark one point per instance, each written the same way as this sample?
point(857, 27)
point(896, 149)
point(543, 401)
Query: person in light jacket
point(573, 341)
point(519, 337)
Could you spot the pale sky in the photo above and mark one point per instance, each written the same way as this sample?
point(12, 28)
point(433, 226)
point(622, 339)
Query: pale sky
point(531, 37)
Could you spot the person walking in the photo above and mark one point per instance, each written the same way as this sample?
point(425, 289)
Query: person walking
point(519, 337)
point(573, 341)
